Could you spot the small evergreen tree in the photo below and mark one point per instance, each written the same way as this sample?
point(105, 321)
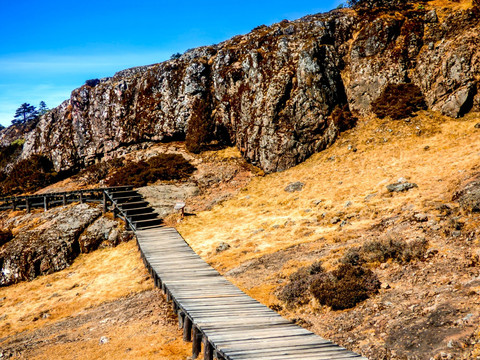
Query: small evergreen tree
point(24, 114)
point(42, 108)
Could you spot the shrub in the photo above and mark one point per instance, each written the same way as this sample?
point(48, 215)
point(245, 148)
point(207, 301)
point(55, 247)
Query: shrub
point(399, 101)
point(344, 287)
point(175, 56)
point(374, 4)
point(161, 167)
point(343, 118)
point(5, 236)
point(296, 292)
point(9, 153)
point(94, 173)
point(29, 175)
point(380, 251)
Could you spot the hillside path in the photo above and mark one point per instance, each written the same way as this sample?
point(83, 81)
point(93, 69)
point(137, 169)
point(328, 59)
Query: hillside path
point(212, 311)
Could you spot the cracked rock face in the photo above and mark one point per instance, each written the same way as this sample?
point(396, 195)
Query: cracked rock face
point(54, 240)
point(271, 92)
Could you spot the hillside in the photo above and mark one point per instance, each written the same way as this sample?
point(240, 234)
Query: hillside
point(427, 306)
point(294, 178)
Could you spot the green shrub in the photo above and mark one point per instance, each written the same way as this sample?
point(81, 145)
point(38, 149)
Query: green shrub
point(344, 287)
point(161, 167)
point(29, 175)
point(399, 101)
point(5, 236)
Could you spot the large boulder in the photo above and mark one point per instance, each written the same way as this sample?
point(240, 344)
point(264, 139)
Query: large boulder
point(50, 241)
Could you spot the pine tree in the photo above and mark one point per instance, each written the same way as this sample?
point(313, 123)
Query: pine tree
point(42, 108)
point(25, 113)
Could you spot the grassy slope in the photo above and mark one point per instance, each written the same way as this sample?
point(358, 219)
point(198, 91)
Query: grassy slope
point(93, 279)
point(273, 232)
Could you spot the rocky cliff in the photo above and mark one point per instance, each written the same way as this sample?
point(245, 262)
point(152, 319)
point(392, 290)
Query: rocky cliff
point(271, 92)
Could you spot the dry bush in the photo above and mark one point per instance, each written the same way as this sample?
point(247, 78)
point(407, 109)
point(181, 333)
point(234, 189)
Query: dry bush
point(5, 236)
point(10, 153)
point(380, 251)
point(296, 292)
point(343, 118)
point(161, 167)
point(344, 287)
point(399, 101)
point(28, 175)
point(94, 173)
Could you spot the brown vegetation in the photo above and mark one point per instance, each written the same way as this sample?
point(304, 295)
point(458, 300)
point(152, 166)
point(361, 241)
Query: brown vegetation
point(344, 287)
point(380, 251)
point(160, 167)
point(28, 176)
point(5, 236)
point(399, 101)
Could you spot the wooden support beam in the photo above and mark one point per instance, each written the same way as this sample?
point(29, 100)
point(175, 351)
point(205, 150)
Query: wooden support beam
point(207, 349)
point(187, 329)
point(81, 198)
point(181, 317)
point(115, 212)
point(14, 204)
point(196, 342)
point(45, 203)
point(64, 199)
point(27, 203)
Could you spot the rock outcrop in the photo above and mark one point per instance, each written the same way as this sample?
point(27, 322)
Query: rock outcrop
point(49, 242)
point(271, 92)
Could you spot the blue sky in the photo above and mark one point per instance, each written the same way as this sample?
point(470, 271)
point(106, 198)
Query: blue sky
point(48, 48)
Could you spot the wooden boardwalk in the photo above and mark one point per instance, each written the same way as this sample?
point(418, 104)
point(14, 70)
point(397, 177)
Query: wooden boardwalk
point(212, 311)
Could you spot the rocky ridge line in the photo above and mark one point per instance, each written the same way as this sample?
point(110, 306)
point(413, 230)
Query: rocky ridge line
point(271, 92)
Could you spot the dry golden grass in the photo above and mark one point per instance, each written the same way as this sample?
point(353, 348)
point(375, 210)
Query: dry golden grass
point(432, 151)
point(93, 279)
point(445, 7)
point(103, 275)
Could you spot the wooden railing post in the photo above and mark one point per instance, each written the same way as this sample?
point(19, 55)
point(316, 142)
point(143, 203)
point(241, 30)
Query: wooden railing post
point(27, 203)
point(81, 198)
point(14, 204)
point(64, 199)
point(45, 203)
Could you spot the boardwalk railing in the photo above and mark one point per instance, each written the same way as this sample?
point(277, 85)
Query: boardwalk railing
point(46, 201)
